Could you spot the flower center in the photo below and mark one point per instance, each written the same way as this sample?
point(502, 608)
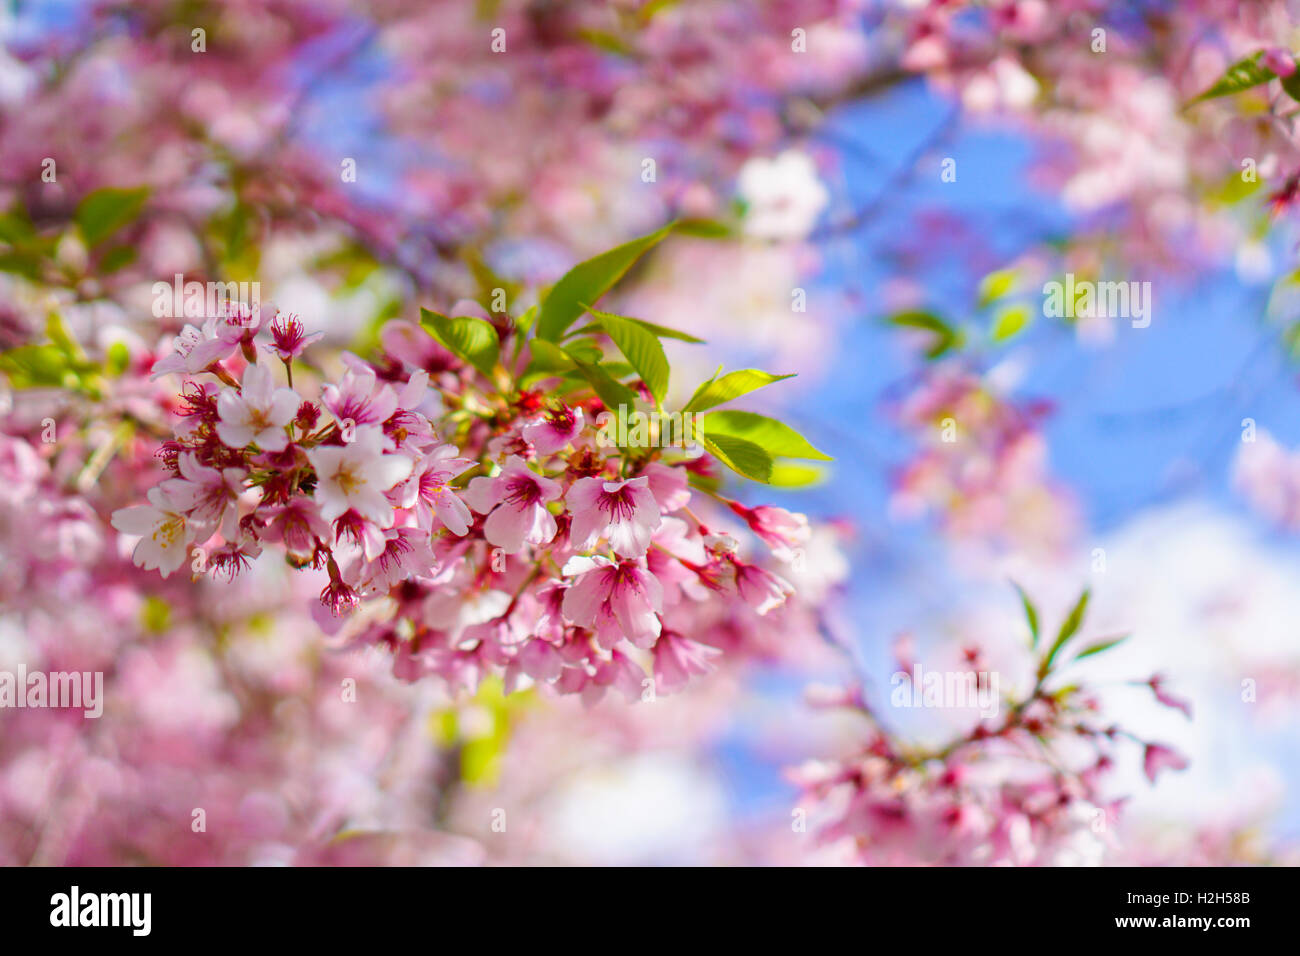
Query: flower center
point(169, 531)
point(348, 481)
point(522, 492)
point(618, 504)
point(258, 419)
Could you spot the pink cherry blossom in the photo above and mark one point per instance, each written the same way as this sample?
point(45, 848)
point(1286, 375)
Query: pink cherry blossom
point(257, 412)
point(165, 531)
point(1158, 757)
point(624, 512)
point(621, 673)
point(298, 526)
point(209, 495)
point(353, 534)
point(781, 530)
point(1157, 685)
point(428, 491)
point(406, 553)
point(677, 659)
point(669, 486)
point(515, 504)
point(289, 337)
point(761, 589)
point(554, 429)
point(356, 475)
point(194, 350)
point(359, 399)
point(615, 600)
point(1279, 60)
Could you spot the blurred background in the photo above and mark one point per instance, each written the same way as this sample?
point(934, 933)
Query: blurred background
point(888, 187)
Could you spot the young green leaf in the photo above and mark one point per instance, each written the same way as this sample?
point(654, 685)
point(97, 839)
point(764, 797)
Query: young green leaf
point(1031, 615)
point(1099, 647)
point(641, 348)
point(614, 394)
point(548, 357)
point(719, 391)
point(33, 366)
point(776, 438)
point(1292, 85)
point(945, 337)
point(522, 324)
point(790, 474)
point(1069, 627)
point(584, 350)
point(743, 457)
point(1242, 75)
point(704, 228)
point(995, 285)
point(525, 321)
point(1009, 321)
point(660, 330)
point(103, 212)
point(467, 337)
point(588, 281)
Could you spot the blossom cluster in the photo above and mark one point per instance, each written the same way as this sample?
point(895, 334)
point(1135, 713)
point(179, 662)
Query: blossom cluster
point(1026, 787)
point(468, 533)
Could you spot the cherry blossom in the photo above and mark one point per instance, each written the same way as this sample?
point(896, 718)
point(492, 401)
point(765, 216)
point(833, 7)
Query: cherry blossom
point(165, 530)
point(515, 504)
point(355, 475)
point(624, 512)
point(257, 412)
point(616, 600)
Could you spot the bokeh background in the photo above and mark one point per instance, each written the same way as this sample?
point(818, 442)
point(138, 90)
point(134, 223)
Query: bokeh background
point(1093, 453)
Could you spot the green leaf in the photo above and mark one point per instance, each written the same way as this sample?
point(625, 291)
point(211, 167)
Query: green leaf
point(650, 9)
point(704, 228)
point(1068, 629)
point(469, 338)
point(105, 211)
point(36, 366)
point(660, 330)
point(525, 321)
point(741, 456)
point(116, 359)
point(15, 226)
point(548, 357)
point(1233, 189)
point(945, 337)
point(1100, 646)
point(995, 285)
point(641, 348)
point(608, 42)
point(719, 391)
point(588, 281)
point(155, 615)
point(776, 438)
point(1292, 85)
point(1010, 321)
point(614, 394)
point(522, 325)
point(118, 258)
point(790, 474)
point(1031, 615)
point(1242, 75)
